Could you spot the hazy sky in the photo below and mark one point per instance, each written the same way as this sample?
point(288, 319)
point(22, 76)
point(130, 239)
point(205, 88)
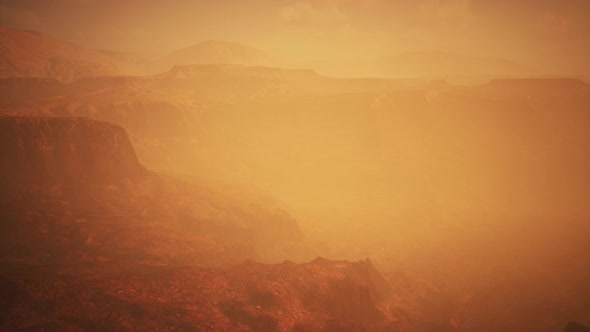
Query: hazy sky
point(545, 33)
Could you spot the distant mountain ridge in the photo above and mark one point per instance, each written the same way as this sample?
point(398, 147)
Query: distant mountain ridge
point(33, 54)
point(215, 51)
point(433, 63)
point(193, 71)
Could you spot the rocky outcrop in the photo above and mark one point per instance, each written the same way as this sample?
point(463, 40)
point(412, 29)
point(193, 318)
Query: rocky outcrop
point(322, 295)
point(65, 150)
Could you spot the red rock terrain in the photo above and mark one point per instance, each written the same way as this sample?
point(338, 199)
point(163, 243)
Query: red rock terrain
point(199, 190)
point(92, 241)
point(83, 174)
point(479, 189)
point(321, 295)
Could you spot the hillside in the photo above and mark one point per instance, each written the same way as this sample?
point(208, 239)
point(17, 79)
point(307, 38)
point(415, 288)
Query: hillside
point(33, 54)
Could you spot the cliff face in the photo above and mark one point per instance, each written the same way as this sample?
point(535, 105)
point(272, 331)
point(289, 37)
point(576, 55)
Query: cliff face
point(65, 150)
point(88, 169)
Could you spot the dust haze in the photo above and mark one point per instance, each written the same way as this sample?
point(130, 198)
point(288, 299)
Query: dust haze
point(329, 165)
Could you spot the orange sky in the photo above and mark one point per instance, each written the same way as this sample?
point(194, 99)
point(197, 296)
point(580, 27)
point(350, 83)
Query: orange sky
point(551, 34)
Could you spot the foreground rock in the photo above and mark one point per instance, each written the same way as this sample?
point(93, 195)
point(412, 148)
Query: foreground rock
point(321, 295)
